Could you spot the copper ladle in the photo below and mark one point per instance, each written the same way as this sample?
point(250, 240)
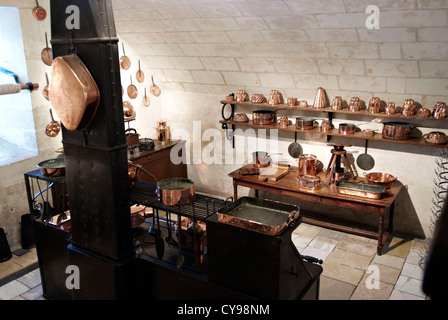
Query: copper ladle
point(53, 128)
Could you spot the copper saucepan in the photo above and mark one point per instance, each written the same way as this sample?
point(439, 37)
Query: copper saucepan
point(303, 123)
point(264, 117)
point(397, 130)
point(176, 191)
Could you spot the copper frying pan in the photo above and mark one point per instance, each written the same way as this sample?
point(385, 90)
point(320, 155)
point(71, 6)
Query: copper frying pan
point(155, 90)
point(140, 75)
point(74, 94)
point(47, 53)
point(132, 91)
point(125, 62)
point(145, 99)
point(45, 91)
point(39, 13)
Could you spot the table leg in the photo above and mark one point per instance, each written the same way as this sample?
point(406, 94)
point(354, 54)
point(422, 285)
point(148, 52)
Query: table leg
point(235, 190)
point(380, 232)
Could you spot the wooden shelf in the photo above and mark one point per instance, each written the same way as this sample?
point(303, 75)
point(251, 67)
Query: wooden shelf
point(417, 121)
point(416, 141)
point(411, 119)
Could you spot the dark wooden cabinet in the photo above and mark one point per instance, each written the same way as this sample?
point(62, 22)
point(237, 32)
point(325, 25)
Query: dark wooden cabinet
point(167, 160)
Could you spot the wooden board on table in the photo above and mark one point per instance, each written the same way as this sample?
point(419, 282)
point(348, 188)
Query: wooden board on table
point(273, 174)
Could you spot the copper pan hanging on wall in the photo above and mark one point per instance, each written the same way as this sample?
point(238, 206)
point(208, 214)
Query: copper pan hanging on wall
point(39, 13)
point(132, 90)
point(47, 53)
point(140, 76)
point(74, 94)
point(125, 62)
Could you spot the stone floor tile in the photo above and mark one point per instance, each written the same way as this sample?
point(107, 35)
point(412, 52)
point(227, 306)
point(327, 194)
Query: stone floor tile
point(399, 247)
point(358, 244)
point(410, 285)
point(415, 257)
point(342, 273)
point(26, 259)
point(323, 243)
point(307, 229)
point(420, 245)
point(33, 294)
point(388, 274)
point(8, 268)
point(31, 279)
point(412, 271)
point(363, 292)
point(331, 289)
point(400, 295)
point(301, 241)
point(349, 258)
point(314, 252)
point(389, 260)
point(332, 234)
point(12, 290)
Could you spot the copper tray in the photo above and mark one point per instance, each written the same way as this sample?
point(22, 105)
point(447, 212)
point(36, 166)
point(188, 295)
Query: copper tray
point(360, 189)
point(258, 215)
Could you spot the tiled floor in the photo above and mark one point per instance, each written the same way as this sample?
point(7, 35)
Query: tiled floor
point(351, 270)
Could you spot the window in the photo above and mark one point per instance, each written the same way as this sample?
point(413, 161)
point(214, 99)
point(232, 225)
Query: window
point(17, 130)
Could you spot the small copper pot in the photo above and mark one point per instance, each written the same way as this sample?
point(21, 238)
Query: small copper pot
point(303, 123)
point(264, 117)
point(347, 128)
point(307, 164)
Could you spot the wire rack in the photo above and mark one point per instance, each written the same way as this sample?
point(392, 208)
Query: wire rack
point(203, 207)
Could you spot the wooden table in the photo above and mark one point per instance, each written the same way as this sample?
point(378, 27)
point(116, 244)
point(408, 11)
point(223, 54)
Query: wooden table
point(328, 195)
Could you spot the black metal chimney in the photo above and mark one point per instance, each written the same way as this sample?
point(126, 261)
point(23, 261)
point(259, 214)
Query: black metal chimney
point(96, 158)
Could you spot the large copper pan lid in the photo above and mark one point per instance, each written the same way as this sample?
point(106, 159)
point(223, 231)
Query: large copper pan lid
point(74, 94)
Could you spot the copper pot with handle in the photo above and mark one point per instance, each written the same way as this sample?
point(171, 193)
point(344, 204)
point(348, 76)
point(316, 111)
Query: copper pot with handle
point(176, 191)
point(397, 130)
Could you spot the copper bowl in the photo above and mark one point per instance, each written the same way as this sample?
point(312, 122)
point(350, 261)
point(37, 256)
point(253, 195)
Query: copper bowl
point(52, 167)
point(380, 178)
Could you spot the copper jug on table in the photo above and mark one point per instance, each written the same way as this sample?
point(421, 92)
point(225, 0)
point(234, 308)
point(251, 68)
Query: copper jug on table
point(307, 164)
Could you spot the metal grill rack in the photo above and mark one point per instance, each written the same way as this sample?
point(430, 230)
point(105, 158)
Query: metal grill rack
point(203, 207)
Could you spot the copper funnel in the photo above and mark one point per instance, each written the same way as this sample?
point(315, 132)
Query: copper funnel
point(320, 101)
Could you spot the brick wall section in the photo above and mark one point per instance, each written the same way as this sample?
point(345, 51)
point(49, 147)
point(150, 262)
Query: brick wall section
point(293, 46)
